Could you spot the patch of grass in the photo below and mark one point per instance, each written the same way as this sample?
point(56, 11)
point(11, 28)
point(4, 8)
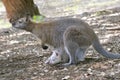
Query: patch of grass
point(2, 8)
point(72, 8)
point(103, 12)
point(1, 4)
point(38, 18)
point(4, 24)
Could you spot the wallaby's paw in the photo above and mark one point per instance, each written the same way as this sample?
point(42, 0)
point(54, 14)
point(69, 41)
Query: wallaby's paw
point(66, 64)
point(47, 61)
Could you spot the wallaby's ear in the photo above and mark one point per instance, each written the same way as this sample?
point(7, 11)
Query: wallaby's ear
point(10, 20)
point(27, 18)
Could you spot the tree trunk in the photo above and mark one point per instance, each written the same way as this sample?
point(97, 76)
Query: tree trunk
point(19, 8)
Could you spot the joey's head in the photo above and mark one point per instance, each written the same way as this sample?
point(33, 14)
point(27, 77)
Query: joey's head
point(21, 23)
point(54, 58)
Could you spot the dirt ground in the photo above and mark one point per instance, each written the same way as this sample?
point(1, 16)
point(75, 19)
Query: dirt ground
point(22, 58)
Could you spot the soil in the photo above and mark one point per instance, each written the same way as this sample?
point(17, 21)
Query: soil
point(22, 58)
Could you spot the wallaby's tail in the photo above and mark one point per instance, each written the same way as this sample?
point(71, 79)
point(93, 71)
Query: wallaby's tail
point(98, 47)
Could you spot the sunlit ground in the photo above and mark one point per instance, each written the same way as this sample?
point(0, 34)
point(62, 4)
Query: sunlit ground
point(54, 8)
point(3, 18)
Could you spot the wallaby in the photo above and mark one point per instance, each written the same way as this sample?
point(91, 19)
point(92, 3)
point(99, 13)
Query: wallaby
point(73, 34)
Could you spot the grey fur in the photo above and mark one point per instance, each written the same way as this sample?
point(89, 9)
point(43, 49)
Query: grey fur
point(74, 35)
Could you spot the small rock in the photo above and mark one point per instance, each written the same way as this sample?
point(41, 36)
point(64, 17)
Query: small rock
point(13, 42)
point(42, 74)
point(54, 72)
point(46, 70)
point(65, 69)
point(66, 77)
point(102, 74)
point(90, 71)
point(35, 73)
point(112, 73)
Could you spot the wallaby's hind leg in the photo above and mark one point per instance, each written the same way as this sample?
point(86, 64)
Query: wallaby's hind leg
point(70, 48)
point(75, 38)
point(80, 54)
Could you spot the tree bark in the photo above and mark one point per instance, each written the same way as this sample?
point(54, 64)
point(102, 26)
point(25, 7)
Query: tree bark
point(19, 8)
